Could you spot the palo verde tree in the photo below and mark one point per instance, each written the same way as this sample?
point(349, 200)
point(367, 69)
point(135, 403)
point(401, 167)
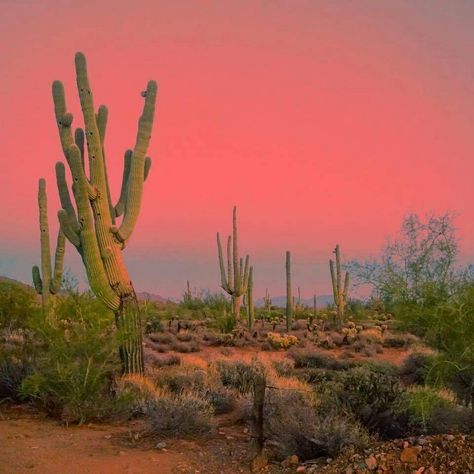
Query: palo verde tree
point(47, 282)
point(92, 224)
point(235, 280)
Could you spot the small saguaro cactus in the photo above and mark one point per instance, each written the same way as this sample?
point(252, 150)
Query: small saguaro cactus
point(289, 298)
point(249, 300)
point(235, 280)
point(46, 281)
point(267, 301)
point(91, 226)
point(315, 309)
point(339, 291)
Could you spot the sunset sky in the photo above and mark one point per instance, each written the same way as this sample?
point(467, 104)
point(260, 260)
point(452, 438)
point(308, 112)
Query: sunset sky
point(324, 121)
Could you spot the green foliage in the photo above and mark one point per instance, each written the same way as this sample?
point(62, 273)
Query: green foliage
point(73, 373)
point(429, 410)
point(18, 305)
point(225, 322)
point(239, 375)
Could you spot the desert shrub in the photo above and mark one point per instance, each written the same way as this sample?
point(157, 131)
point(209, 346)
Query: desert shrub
point(238, 375)
point(292, 425)
point(160, 361)
point(399, 340)
point(283, 368)
point(181, 379)
point(186, 347)
point(430, 410)
point(315, 359)
point(162, 338)
point(18, 306)
point(184, 337)
point(221, 399)
point(72, 375)
point(182, 414)
point(12, 373)
point(279, 341)
point(370, 393)
point(166, 413)
point(415, 368)
point(225, 322)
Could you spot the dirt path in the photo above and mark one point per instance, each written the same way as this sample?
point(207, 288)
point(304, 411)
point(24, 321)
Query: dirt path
point(31, 443)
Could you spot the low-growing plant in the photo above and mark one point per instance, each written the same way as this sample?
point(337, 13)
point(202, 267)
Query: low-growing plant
point(279, 341)
point(239, 375)
point(316, 359)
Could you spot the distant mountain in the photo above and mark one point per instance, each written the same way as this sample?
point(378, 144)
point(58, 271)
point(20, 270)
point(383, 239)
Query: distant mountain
point(280, 301)
point(11, 281)
point(145, 296)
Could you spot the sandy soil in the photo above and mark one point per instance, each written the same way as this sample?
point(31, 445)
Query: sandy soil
point(32, 443)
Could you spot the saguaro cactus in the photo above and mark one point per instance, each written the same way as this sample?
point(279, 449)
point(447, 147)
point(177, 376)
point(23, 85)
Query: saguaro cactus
point(46, 282)
point(289, 298)
point(249, 300)
point(94, 232)
point(267, 301)
point(339, 292)
point(235, 280)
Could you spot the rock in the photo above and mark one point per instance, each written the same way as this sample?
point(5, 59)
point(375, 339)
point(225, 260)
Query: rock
point(450, 437)
point(409, 455)
point(371, 463)
point(259, 462)
point(160, 445)
point(300, 469)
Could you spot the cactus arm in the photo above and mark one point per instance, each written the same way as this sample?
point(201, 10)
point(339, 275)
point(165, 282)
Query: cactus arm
point(67, 230)
point(120, 206)
point(230, 275)
point(136, 178)
point(64, 196)
point(147, 167)
point(63, 118)
point(235, 249)
point(90, 252)
point(224, 283)
point(58, 263)
point(338, 273)
point(238, 284)
point(246, 275)
point(35, 271)
point(346, 287)
point(79, 140)
point(44, 228)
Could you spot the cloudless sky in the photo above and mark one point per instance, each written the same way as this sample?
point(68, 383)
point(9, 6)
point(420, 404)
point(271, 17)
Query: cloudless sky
point(324, 121)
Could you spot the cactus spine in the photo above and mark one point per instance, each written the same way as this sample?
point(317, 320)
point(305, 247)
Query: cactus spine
point(339, 291)
point(91, 225)
point(46, 281)
point(235, 280)
point(249, 300)
point(289, 298)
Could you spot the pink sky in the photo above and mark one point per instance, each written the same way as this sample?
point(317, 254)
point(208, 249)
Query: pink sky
point(323, 121)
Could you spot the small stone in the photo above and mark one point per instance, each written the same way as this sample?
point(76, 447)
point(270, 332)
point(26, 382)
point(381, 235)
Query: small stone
point(300, 469)
point(409, 455)
point(108, 436)
point(371, 463)
point(450, 437)
point(160, 445)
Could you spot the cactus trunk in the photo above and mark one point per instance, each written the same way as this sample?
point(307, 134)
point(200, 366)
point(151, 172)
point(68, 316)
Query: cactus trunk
point(339, 291)
point(289, 298)
point(250, 303)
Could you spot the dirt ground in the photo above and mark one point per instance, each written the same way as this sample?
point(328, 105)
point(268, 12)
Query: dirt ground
point(32, 443)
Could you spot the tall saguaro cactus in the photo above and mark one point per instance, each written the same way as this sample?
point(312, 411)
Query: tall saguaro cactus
point(289, 298)
point(91, 225)
point(235, 280)
point(339, 291)
point(47, 282)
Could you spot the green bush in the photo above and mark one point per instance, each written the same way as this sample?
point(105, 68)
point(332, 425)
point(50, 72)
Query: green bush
point(239, 375)
point(73, 373)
